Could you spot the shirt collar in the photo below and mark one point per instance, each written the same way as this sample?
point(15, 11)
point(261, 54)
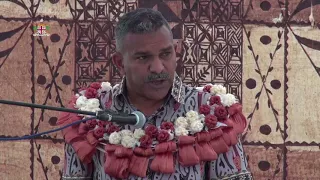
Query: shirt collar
point(177, 90)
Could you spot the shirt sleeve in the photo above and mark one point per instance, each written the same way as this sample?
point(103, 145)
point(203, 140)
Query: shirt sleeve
point(73, 168)
point(230, 165)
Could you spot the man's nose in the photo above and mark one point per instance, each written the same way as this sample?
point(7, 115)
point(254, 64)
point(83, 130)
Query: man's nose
point(156, 66)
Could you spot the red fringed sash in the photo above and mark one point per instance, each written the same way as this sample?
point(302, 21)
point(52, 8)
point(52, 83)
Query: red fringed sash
point(229, 134)
point(86, 147)
point(217, 142)
point(240, 122)
point(163, 160)
point(203, 150)
point(140, 161)
point(186, 153)
point(117, 161)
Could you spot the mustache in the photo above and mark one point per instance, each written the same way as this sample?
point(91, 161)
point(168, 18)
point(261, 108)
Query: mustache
point(157, 77)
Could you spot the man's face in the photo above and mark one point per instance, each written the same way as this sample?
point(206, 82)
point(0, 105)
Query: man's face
point(149, 63)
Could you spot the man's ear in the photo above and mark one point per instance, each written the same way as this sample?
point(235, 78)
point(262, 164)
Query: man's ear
point(117, 60)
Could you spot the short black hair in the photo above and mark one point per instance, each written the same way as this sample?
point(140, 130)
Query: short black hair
point(138, 21)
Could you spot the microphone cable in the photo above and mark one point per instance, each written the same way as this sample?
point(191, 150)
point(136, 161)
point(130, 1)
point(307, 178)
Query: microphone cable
point(46, 132)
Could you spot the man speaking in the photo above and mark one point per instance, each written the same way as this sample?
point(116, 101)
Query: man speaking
point(189, 133)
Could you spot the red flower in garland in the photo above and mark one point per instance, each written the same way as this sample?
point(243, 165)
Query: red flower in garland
point(207, 88)
point(112, 128)
point(145, 141)
point(204, 109)
point(163, 136)
point(167, 126)
point(215, 100)
point(95, 85)
point(211, 121)
point(103, 123)
point(152, 131)
point(221, 113)
point(91, 93)
point(98, 133)
point(91, 123)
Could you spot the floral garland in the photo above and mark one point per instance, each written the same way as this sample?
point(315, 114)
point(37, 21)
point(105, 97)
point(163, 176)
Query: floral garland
point(197, 136)
point(193, 122)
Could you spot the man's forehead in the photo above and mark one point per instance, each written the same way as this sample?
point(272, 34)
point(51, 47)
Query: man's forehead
point(150, 50)
point(149, 42)
point(160, 34)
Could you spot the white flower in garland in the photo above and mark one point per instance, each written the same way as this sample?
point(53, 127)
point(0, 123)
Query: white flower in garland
point(218, 89)
point(194, 122)
point(192, 116)
point(138, 133)
point(128, 141)
point(126, 132)
point(196, 126)
point(181, 131)
point(115, 138)
point(181, 122)
point(105, 87)
point(228, 99)
point(125, 137)
point(93, 103)
point(89, 109)
point(81, 102)
point(193, 119)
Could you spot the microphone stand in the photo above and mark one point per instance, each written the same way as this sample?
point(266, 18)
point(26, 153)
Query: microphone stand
point(47, 107)
point(104, 115)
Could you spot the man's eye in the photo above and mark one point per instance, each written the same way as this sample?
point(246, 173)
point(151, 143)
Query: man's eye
point(142, 57)
point(165, 54)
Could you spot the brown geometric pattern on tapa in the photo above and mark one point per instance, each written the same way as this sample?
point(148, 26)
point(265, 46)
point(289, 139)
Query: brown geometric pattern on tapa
point(273, 68)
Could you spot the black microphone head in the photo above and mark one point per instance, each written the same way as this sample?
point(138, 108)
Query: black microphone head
point(141, 119)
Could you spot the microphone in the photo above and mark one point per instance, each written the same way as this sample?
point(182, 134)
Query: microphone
point(136, 118)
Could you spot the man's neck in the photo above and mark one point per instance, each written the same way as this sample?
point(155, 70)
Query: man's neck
point(147, 106)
